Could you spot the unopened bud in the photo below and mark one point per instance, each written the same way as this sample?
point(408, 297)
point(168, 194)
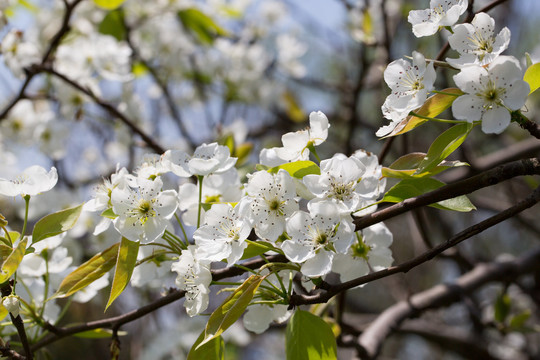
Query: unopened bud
point(3, 221)
point(12, 304)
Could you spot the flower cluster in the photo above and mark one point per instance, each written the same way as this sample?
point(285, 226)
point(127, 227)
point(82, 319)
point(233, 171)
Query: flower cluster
point(493, 85)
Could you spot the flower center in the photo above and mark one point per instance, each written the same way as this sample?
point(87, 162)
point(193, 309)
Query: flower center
point(360, 249)
point(144, 211)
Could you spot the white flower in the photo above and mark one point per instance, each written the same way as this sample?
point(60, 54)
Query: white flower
point(340, 183)
point(296, 144)
point(476, 42)
point(143, 214)
point(17, 52)
point(271, 199)
point(207, 159)
point(316, 237)
point(441, 13)
point(289, 50)
point(223, 187)
point(194, 277)
point(12, 304)
point(370, 251)
point(489, 93)
point(224, 233)
point(150, 166)
point(32, 181)
point(409, 85)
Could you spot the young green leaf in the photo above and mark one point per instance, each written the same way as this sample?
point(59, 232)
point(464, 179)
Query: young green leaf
point(409, 188)
point(125, 263)
point(518, 321)
point(56, 223)
point(99, 333)
point(212, 350)
point(532, 77)
point(109, 4)
point(443, 146)
point(88, 272)
point(298, 169)
point(406, 167)
point(433, 106)
point(309, 337)
point(12, 262)
point(201, 25)
point(231, 309)
point(501, 307)
point(113, 24)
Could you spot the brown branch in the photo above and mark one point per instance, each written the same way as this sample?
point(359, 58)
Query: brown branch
point(107, 107)
point(373, 337)
point(463, 187)
point(11, 354)
point(332, 290)
point(532, 127)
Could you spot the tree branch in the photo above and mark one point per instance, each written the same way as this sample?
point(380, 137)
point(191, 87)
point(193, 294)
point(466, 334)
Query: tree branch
point(373, 337)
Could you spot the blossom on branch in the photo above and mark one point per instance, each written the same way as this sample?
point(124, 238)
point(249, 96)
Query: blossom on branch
point(33, 180)
point(440, 13)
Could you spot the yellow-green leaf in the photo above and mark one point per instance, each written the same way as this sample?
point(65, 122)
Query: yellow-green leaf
point(242, 152)
point(231, 309)
point(109, 4)
point(56, 223)
point(409, 188)
point(298, 169)
point(309, 337)
point(5, 251)
point(88, 272)
point(3, 312)
point(113, 24)
point(12, 262)
point(532, 77)
point(212, 350)
point(201, 25)
point(433, 106)
point(125, 263)
point(99, 333)
point(292, 107)
point(109, 213)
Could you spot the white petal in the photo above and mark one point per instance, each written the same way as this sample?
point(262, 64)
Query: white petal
point(495, 120)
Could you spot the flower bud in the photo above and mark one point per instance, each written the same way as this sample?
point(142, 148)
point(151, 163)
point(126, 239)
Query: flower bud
point(11, 303)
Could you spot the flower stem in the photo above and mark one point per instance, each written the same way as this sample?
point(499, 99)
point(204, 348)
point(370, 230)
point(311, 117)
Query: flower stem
point(182, 228)
point(27, 202)
point(200, 180)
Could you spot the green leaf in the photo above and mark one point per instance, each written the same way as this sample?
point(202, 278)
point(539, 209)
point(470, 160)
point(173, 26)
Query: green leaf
point(56, 223)
point(231, 309)
point(3, 312)
point(5, 251)
point(201, 25)
point(443, 146)
point(139, 69)
point(242, 152)
point(532, 77)
point(12, 262)
point(502, 307)
point(88, 272)
point(113, 24)
point(292, 107)
point(519, 320)
point(298, 169)
point(433, 106)
point(109, 4)
point(125, 263)
point(99, 333)
point(409, 188)
point(109, 213)
point(406, 167)
point(309, 337)
point(212, 350)
point(256, 248)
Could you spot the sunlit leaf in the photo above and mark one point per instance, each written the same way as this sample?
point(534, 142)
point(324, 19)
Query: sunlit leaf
point(88, 272)
point(201, 25)
point(292, 107)
point(99, 334)
point(309, 337)
point(298, 169)
point(532, 77)
point(433, 106)
point(56, 223)
point(212, 350)
point(125, 263)
point(409, 188)
point(109, 213)
point(231, 309)
point(12, 262)
point(444, 145)
point(109, 4)
point(3, 312)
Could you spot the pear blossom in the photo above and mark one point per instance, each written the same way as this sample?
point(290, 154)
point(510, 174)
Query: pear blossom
point(224, 234)
point(207, 159)
point(32, 181)
point(476, 42)
point(194, 277)
point(296, 144)
point(315, 238)
point(370, 251)
point(490, 92)
point(409, 83)
point(440, 13)
point(144, 212)
point(340, 183)
point(272, 200)
point(12, 304)
point(289, 50)
point(17, 52)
